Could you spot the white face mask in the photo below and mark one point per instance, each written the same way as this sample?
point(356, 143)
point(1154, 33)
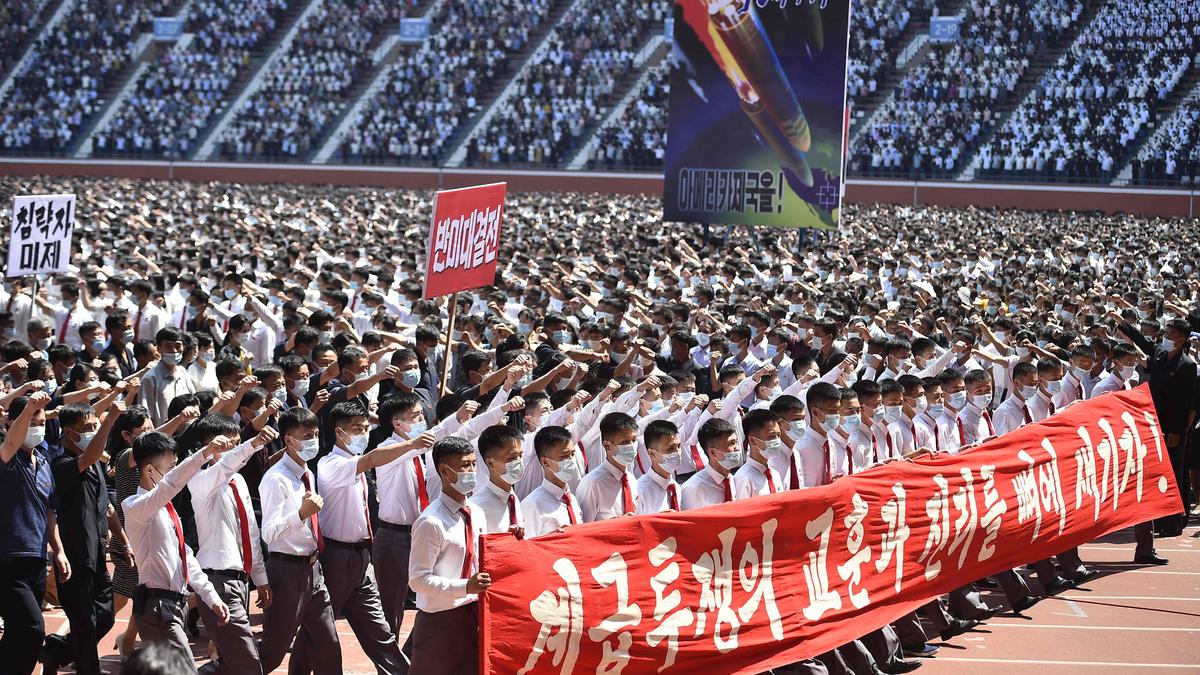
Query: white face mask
point(732, 459)
point(309, 449)
point(982, 400)
point(891, 413)
point(300, 389)
point(85, 439)
point(1028, 392)
point(1128, 372)
point(35, 436)
point(357, 444)
point(567, 471)
point(625, 454)
point(512, 472)
point(818, 343)
point(670, 461)
point(1053, 387)
point(797, 429)
point(465, 482)
point(958, 399)
point(416, 429)
point(831, 422)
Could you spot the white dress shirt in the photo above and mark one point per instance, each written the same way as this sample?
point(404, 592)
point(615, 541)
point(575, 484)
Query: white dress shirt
point(754, 478)
point(788, 466)
point(439, 549)
point(600, 496)
point(501, 507)
point(282, 491)
point(654, 493)
point(931, 429)
point(155, 541)
point(977, 424)
point(399, 484)
point(147, 320)
point(1113, 382)
point(1012, 414)
point(546, 509)
point(1041, 407)
point(217, 522)
point(344, 516)
point(706, 488)
point(955, 436)
point(813, 457)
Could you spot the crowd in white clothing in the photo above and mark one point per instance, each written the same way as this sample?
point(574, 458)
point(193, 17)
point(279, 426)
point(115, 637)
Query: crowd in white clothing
point(638, 137)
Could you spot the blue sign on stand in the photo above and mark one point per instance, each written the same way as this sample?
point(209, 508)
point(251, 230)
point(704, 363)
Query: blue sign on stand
point(413, 30)
point(167, 28)
point(945, 28)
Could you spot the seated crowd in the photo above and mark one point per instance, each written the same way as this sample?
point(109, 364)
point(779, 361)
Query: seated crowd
point(278, 334)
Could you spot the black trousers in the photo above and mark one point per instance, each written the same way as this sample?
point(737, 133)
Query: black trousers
point(87, 600)
point(22, 585)
point(446, 643)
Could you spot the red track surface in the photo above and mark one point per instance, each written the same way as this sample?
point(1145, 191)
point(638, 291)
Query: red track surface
point(1130, 619)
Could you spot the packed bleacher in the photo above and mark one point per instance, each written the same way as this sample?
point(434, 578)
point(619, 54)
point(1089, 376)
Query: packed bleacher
point(568, 87)
point(638, 137)
point(874, 43)
point(181, 94)
point(310, 83)
point(59, 89)
point(944, 104)
point(1175, 157)
point(1100, 96)
point(18, 28)
point(431, 92)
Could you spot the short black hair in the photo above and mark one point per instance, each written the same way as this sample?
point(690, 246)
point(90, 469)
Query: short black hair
point(71, 414)
point(550, 438)
point(298, 417)
point(711, 430)
point(757, 419)
point(615, 423)
point(658, 430)
point(214, 424)
point(496, 438)
point(152, 445)
point(345, 411)
point(156, 659)
point(448, 446)
point(787, 403)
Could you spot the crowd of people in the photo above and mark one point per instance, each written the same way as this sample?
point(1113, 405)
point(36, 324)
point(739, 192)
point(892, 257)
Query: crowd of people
point(1175, 157)
point(431, 92)
point(1100, 96)
point(310, 84)
point(181, 95)
point(638, 138)
point(18, 28)
point(240, 386)
point(874, 43)
point(60, 87)
point(942, 105)
point(568, 88)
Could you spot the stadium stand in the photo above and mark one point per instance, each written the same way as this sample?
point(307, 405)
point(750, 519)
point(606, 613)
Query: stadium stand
point(638, 139)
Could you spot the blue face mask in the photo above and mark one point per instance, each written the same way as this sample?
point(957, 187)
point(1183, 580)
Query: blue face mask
point(562, 337)
point(411, 378)
point(417, 428)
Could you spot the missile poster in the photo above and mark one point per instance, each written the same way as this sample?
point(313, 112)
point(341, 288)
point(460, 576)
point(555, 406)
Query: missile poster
point(756, 123)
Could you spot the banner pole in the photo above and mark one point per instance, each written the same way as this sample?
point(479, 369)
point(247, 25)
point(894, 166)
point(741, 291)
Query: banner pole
point(449, 334)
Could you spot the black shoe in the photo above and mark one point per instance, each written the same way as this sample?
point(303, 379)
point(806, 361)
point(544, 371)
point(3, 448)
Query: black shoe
point(1169, 532)
point(1058, 585)
point(193, 623)
point(957, 627)
point(49, 662)
point(1149, 559)
point(987, 583)
point(989, 613)
point(902, 666)
point(1085, 575)
point(924, 650)
point(1025, 603)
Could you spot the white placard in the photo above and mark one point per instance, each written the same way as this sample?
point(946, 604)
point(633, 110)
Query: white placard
point(40, 234)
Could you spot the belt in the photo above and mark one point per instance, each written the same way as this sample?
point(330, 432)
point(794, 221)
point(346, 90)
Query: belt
point(385, 525)
point(310, 558)
point(235, 574)
point(158, 593)
point(356, 546)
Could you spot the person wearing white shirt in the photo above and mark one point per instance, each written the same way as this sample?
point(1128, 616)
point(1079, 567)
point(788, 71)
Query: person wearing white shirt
point(756, 477)
point(978, 424)
point(346, 529)
point(147, 317)
point(18, 303)
point(930, 419)
point(203, 370)
point(550, 506)
point(230, 550)
point(444, 567)
point(166, 565)
point(1124, 375)
point(610, 490)
point(853, 449)
point(713, 484)
point(1078, 381)
point(1050, 385)
point(955, 400)
point(657, 490)
point(1015, 411)
point(793, 425)
point(67, 317)
point(292, 533)
point(501, 448)
point(814, 448)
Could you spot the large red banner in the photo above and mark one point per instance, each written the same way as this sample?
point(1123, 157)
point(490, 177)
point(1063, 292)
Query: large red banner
point(464, 238)
point(760, 583)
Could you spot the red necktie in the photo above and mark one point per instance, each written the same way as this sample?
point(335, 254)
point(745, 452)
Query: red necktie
point(512, 509)
point(566, 499)
point(179, 535)
point(638, 458)
point(697, 458)
point(828, 464)
point(728, 490)
point(137, 325)
point(1025, 411)
point(362, 479)
point(422, 491)
point(962, 435)
point(988, 418)
point(770, 481)
point(626, 494)
point(874, 447)
point(1051, 404)
point(937, 444)
point(916, 443)
point(469, 560)
point(183, 318)
point(244, 526)
point(887, 436)
point(794, 472)
point(673, 495)
point(583, 452)
point(312, 520)
point(62, 333)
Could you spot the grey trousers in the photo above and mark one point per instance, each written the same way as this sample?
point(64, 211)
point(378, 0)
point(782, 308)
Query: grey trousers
point(909, 630)
point(1015, 588)
point(352, 595)
point(390, 556)
point(160, 621)
point(884, 645)
point(967, 603)
point(851, 658)
point(446, 643)
point(300, 602)
point(235, 640)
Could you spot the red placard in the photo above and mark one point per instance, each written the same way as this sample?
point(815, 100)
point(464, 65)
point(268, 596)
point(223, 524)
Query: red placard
point(764, 582)
point(464, 239)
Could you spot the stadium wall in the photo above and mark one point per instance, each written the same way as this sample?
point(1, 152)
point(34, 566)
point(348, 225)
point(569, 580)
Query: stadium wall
point(1109, 199)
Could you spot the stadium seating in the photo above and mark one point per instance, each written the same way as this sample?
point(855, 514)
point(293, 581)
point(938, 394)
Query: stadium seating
point(18, 26)
point(430, 93)
point(1175, 158)
point(1101, 94)
point(638, 138)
